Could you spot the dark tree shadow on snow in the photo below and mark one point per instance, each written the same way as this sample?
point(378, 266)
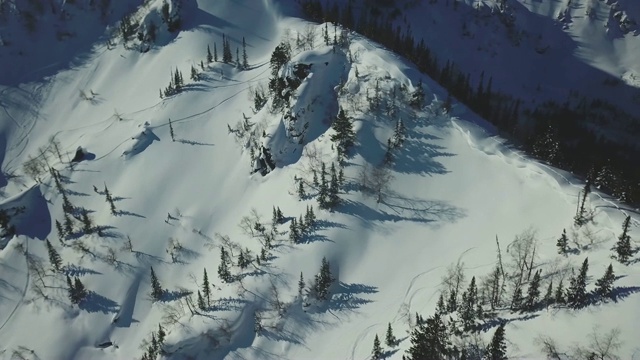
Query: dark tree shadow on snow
point(75, 270)
point(98, 303)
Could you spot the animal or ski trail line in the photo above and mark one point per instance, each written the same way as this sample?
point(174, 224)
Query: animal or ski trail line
point(359, 339)
point(24, 290)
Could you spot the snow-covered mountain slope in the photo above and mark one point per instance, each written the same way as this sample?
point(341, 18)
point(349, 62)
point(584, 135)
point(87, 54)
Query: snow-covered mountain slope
point(454, 187)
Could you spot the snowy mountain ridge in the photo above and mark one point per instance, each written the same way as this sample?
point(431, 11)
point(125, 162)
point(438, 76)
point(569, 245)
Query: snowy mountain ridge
point(169, 182)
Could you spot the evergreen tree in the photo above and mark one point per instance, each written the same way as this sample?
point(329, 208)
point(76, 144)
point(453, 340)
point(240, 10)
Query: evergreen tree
point(323, 280)
point(215, 52)
point(201, 304)
point(302, 226)
point(440, 307)
point(417, 97)
point(562, 243)
point(209, 56)
point(390, 339)
point(238, 57)
point(156, 289)
point(604, 285)
point(548, 296)
point(559, 297)
point(227, 57)
point(60, 230)
point(623, 246)
point(244, 258)
point(452, 302)
point(87, 224)
point(79, 292)
point(54, 257)
point(310, 217)
point(245, 60)
point(323, 192)
point(68, 224)
point(344, 135)
point(194, 74)
point(315, 178)
point(280, 56)
point(109, 199)
point(301, 284)
point(301, 193)
point(579, 218)
point(577, 292)
point(429, 340)
point(294, 233)
point(533, 293)
point(280, 215)
point(206, 287)
point(341, 176)
point(274, 217)
point(223, 269)
point(497, 349)
point(516, 301)
point(468, 306)
point(334, 187)
point(376, 353)
point(161, 335)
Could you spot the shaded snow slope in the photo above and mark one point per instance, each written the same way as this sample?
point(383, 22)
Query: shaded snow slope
point(456, 185)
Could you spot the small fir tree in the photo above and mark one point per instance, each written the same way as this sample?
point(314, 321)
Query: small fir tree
point(533, 293)
point(301, 285)
point(156, 289)
point(563, 243)
point(60, 230)
point(497, 349)
point(54, 257)
point(245, 60)
point(559, 297)
point(390, 339)
point(604, 285)
point(215, 52)
point(623, 246)
point(376, 353)
point(209, 56)
point(577, 292)
point(206, 287)
point(201, 305)
point(548, 296)
point(301, 192)
point(223, 268)
point(87, 224)
point(516, 301)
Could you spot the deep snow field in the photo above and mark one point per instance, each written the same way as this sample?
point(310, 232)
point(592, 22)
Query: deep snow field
point(455, 187)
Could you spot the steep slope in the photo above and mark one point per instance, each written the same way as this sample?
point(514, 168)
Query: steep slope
point(455, 186)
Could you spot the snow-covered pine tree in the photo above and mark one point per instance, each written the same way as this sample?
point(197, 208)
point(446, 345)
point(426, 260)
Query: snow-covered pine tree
point(201, 305)
point(301, 285)
point(54, 257)
point(429, 340)
point(548, 296)
point(215, 52)
point(467, 308)
point(577, 292)
point(559, 297)
point(209, 56)
point(79, 292)
point(497, 349)
point(87, 224)
point(533, 292)
point(517, 299)
point(323, 191)
point(323, 280)
point(156, 289)
point(376, 353)
point(563, 243)
point(206, 287)
point(604, 285)
point(223, 269)
point(194, 74)
point(294, 233)
point(334, 188)
point(390, 338)
point(245, 60)
point(60, 231)
point(301, 192)
point(623, 246)
point(344, 136)
point(417, 96)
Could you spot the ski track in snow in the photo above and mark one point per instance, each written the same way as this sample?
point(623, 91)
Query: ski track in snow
point(24, 290)
point(360, 338)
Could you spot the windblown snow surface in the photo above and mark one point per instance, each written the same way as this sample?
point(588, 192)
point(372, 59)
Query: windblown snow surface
point(456, 187)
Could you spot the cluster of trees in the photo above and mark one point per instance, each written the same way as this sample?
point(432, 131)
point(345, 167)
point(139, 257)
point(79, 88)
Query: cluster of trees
point(302, 227)
point(176, 84)
point(156, 345)
point(227, 56)
point(623, 248)
point(76, 289)
point(566, 128)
